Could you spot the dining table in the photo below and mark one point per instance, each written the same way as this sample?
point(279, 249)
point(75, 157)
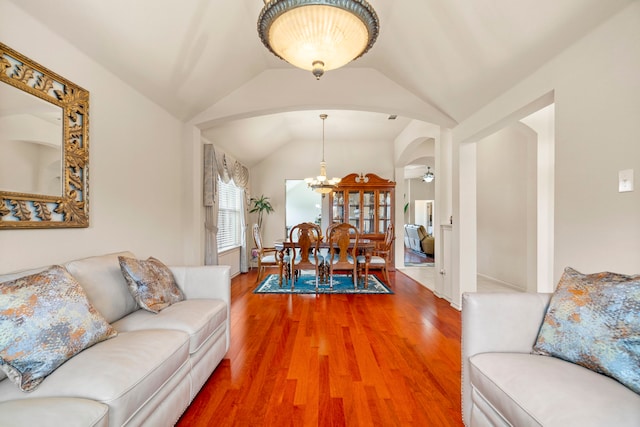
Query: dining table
point(283, 246)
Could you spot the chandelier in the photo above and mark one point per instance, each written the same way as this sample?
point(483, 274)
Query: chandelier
point(318, 35)
point(320, 183)
point(429, 176)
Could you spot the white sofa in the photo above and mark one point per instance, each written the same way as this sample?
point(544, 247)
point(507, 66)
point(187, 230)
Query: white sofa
point(503, 384)
point(150, 372)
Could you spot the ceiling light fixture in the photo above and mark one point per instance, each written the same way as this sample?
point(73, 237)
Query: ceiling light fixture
point(320, 183)
point(429, 176)
point(318, 35)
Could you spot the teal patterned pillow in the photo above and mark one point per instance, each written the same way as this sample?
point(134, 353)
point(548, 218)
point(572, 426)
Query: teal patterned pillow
point(151, 283)
point(45, 319)
point(593, 320)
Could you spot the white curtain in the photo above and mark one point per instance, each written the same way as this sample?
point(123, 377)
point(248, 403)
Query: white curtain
point(218, 164)
point(210, 201)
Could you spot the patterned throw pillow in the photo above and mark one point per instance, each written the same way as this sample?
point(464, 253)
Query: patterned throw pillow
point(45, 319)
point(593, 320)
point(151, 283)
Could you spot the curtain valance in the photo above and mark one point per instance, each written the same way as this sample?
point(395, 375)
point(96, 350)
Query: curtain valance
point(219, 164)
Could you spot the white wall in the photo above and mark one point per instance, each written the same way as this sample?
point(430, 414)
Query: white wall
point(232, 259)
point(302, 205)
point(598, 106)
point(135, 167)
point(417, 189)
point(597, 102)
point(505, 167)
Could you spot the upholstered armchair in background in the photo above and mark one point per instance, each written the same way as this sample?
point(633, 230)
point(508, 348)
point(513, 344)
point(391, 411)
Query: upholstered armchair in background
point(416, 238)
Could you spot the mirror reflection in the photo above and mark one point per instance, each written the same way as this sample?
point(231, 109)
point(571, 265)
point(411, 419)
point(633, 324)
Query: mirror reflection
point(301, 204)
point(31, 138)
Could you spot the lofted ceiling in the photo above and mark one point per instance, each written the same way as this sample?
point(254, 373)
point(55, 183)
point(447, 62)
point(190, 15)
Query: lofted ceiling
point(437, 60)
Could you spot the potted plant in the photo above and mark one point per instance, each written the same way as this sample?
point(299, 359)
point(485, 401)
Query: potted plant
point(260, 205)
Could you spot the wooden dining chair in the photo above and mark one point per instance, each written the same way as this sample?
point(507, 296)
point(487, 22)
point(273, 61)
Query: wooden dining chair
point(306, 251)
point(267, 257)
point(380, 258)
point(343, 250)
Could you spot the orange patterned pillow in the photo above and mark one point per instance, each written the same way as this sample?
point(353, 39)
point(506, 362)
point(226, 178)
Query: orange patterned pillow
point(151, 283)
point(593, 320)
point(45, 319)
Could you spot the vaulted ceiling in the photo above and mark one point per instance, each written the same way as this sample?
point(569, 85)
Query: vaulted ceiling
point(435, 60)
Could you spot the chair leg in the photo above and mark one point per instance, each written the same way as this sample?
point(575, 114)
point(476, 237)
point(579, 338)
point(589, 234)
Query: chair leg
point(331, 276)
point(386, 275)
point(259, 271)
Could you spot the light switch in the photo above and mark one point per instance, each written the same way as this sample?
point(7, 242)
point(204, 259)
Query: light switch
point(625, 180)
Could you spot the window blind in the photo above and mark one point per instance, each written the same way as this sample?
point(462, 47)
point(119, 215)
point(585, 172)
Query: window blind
point(229, 215)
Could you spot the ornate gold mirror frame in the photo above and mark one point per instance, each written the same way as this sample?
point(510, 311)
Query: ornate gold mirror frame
point(71, 207)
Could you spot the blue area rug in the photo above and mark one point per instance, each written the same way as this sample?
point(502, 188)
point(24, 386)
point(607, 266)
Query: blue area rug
point(342, 284)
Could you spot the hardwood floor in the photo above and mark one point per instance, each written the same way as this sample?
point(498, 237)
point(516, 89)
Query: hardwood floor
point(412, 257)
point(338, 360)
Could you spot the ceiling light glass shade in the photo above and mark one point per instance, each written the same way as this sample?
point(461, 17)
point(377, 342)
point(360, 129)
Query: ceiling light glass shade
point(429, 176)
point(318, 35)
point(321, 184)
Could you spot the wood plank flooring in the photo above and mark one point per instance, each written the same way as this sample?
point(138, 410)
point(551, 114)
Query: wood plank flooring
point(335, 360)
point(413, 257)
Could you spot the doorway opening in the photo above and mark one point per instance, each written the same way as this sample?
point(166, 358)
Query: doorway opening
point(419, 248)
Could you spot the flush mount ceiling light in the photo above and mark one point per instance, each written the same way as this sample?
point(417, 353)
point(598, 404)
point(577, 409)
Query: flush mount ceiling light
point(318, 35)
point(429, 176)
point(320, 183)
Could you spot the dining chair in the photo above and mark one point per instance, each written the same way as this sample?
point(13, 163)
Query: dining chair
point(306, 253)
point(267, 257)
point(343, 250)
point(381, 257)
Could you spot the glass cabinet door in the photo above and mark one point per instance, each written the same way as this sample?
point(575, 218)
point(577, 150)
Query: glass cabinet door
point(384, 210)
point(367, 204)
point(354, 209)
point(368, 212)
point(338, 207)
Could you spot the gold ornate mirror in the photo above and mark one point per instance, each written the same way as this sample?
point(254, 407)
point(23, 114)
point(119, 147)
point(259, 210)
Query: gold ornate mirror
point(44, 146)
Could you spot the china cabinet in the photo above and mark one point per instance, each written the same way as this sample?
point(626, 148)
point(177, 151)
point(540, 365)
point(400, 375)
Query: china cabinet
point(366, 202)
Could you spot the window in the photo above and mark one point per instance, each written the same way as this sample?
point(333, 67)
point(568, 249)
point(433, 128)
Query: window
point(229, 219)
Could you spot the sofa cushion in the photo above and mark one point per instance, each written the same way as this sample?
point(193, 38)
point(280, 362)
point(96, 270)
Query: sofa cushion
point(594, 320)
point(45, 319)
point(124, 372)
point(200, 318)
point(102, 280)
point(57, 411)
point(530, 390)
point(150, 282)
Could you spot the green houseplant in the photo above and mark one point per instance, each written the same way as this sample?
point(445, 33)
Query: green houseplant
point(260, 205)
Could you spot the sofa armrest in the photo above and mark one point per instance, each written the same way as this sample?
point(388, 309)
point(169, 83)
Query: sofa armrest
point(498, 322)
point(501, 322)
point(210, 281)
